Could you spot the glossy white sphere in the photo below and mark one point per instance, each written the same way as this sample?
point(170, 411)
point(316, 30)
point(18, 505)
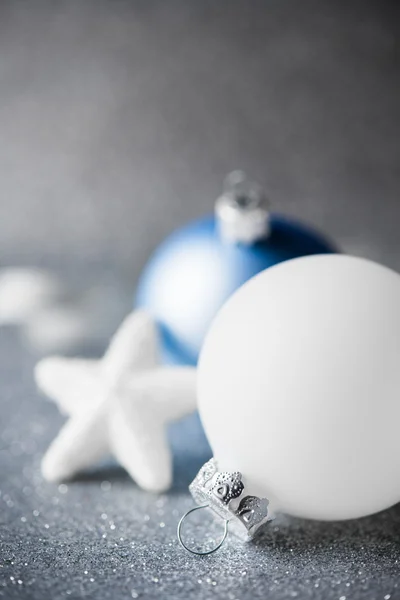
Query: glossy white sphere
point(299, 386)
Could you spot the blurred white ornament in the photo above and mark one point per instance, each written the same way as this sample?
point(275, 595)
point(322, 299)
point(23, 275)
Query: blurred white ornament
point(120, 404)
point(54, 317)
point(25, 291)
point(299, 386)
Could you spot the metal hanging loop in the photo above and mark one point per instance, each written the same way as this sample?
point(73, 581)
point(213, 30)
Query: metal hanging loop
point(199, 552)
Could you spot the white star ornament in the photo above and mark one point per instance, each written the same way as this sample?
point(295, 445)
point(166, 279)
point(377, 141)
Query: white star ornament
point(117, 405)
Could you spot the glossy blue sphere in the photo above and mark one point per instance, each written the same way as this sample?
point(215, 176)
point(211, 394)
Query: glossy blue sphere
point(193, 272)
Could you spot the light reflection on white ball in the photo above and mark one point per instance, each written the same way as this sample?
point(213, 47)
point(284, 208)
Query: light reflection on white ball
point(299, 386)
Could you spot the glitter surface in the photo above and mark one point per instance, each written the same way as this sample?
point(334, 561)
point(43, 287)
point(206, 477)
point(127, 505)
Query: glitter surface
point(118, 122)
point(107, 541)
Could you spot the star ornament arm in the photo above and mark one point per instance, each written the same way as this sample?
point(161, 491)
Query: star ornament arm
point(119, 405)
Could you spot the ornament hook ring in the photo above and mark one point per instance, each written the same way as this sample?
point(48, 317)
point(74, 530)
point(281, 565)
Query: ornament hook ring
point(199, 552)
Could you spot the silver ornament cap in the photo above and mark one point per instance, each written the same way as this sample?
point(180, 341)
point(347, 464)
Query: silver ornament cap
point(242, 212)
point(226, 494)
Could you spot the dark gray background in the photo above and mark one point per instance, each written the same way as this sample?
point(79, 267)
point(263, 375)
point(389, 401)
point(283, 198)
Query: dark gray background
point(118, 121)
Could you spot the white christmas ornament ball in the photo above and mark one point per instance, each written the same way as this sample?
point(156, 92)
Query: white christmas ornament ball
point(299, 386)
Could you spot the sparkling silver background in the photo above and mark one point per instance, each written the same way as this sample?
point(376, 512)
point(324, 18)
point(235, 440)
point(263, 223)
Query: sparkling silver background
point(118, 121)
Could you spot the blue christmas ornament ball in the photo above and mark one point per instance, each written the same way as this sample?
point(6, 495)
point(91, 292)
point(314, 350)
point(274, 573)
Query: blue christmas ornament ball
point(196, 269)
